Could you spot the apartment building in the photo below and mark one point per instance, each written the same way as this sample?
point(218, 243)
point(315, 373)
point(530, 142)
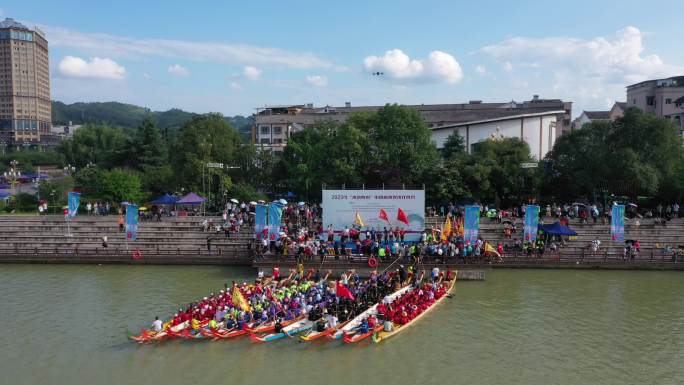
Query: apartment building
point(662, 97)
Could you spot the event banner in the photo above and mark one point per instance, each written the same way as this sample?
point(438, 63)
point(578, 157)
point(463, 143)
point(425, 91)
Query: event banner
point(531, 223)
point(260, 220)
point(131, 222)
point(376, 209)
point(275, 216)
point(74, 201)
point(617, 223)
point(472, 223)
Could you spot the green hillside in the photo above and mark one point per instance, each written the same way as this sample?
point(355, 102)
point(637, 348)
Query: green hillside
point(130, 116)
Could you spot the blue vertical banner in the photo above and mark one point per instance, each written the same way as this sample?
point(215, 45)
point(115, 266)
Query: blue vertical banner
point(260, 220)
point(472, 223)
point(617, 223)
point(131, 222)
point(74, 201)
point(531, 223)
point(275, 216)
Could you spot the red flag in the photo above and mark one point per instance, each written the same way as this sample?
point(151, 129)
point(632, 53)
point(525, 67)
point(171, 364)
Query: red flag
point(343, 292)
point(401, 216)
point(383, 215)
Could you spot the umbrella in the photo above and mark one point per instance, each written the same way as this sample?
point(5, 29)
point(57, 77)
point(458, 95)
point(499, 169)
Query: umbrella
point(235, 201)
point(262, 201)
point(143, 209)
point(282, 201)
point(301, 203)
point(252, 203)
point(632, 204)
point(124, 203)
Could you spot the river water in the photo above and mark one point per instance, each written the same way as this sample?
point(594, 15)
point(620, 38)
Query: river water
point(69, 325)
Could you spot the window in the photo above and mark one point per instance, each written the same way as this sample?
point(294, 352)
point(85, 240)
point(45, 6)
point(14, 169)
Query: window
point(265, 129)
point(265, 141)
point(634, 101)
point(277, 130)
point(277, 141)
point(650, 100)
point(668, 101)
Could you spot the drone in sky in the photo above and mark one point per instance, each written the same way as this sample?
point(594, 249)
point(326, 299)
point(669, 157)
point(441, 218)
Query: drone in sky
point(377, 73)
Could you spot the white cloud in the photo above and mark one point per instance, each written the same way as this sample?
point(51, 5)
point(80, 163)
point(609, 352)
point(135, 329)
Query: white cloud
point(508, 67)
point(395, 64)
point(235, 86)
point(99, 68)
point(616, 59)
point(317, 80)
point(178, 70)
point(481, 70)
point(231, 53)
point(251, 73)
point(146, 76)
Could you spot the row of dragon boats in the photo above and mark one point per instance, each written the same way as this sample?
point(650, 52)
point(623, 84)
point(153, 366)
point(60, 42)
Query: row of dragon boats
point(309, 307)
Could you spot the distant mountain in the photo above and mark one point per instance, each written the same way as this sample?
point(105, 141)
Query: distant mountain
point(130, 116)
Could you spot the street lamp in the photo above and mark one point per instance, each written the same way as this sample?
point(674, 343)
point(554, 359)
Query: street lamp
point(13, 175)
point(52, 195)
point(69, 169)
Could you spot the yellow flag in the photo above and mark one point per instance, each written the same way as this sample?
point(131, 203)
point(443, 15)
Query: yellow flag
point(490, 249)
point(447, 229)
point(459, 227)
point(358, 221)
point(239, 300)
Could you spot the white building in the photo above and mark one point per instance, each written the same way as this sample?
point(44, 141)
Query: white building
point(537, 121)
point(538, 130)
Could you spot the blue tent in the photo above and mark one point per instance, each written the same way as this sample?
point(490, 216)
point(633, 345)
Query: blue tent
point(166, 199)
point(557, 229)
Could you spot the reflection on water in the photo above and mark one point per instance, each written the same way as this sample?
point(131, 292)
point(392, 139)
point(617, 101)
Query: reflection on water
point(68, 325)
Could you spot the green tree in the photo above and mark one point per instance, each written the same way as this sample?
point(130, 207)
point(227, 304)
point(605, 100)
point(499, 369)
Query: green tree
point(401, 150)
point(148, 148)
point(119, 185)
point(454, 144)
point(204, 139)
point(495, 174)
point(637, 154)
point(103, 145)
point(55, 191)
point(149, 155)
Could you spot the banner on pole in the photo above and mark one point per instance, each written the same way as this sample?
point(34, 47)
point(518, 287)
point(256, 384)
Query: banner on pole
point(531, 223)
point(275, 216)
point(260, 220)
point(131, 222)
point(617, 223)
point(472, 223)
point(74, 201)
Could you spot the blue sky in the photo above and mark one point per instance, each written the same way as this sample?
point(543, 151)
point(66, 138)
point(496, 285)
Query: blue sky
point(231, 57)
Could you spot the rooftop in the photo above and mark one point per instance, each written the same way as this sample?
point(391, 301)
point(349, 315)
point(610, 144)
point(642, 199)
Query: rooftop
point(435, 115)
point(597, 115)
point(674, 81)
point(11, 23)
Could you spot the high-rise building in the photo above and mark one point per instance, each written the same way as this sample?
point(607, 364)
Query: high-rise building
point(25, 110)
